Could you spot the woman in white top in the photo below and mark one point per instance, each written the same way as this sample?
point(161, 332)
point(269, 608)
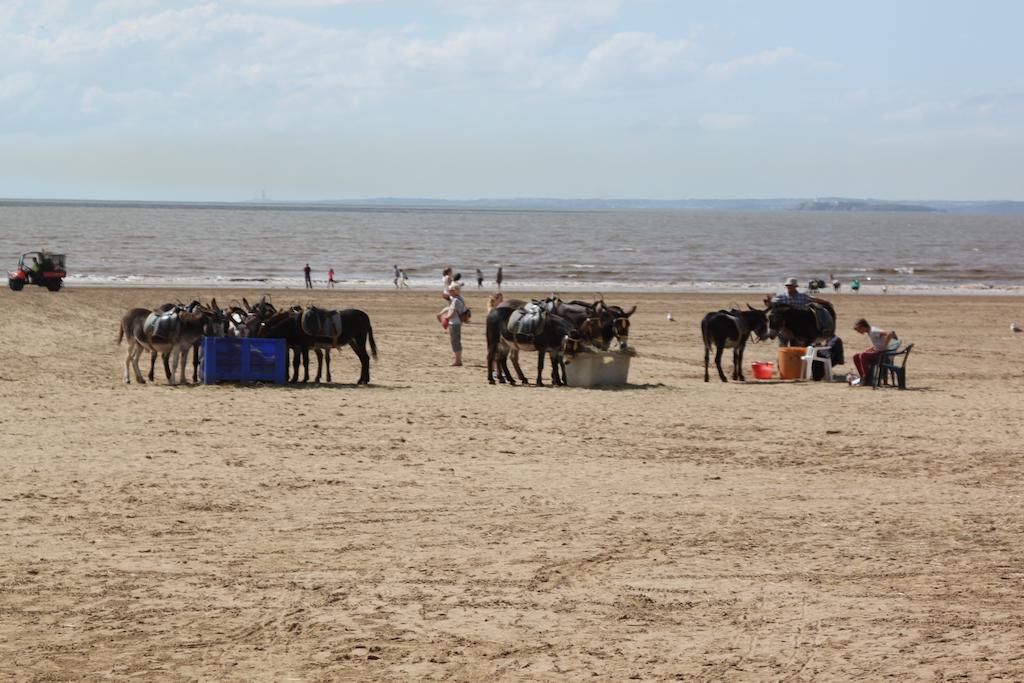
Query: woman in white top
point(453, 317)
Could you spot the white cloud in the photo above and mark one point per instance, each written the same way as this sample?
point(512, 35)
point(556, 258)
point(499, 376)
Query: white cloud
point(761, 60)
point(126, 6)
point(913, 113)
point(291, 4)
point(96, 100)
point(17, 85)
point(721, 122)
point(633, 57)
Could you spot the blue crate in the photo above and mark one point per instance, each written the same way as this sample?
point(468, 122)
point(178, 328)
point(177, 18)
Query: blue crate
point(238, 359)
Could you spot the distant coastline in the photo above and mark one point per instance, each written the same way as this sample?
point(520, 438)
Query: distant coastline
point(823, 204)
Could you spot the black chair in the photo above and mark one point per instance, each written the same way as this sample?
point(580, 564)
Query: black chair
point(891, 365)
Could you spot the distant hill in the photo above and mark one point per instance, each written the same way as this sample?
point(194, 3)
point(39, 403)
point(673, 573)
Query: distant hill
point(836, 204)
point(555, 204)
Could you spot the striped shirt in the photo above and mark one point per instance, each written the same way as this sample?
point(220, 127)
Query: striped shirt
point(799, 299)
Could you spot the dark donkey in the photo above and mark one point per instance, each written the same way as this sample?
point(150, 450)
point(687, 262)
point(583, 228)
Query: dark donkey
point(730, 330)
point(802, 326)
point(556, 336)
point(330, 329)
point(284, 325)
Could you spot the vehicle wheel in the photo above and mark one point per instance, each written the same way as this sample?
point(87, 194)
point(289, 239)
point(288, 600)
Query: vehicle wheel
point(54, 285)
point(16, 285)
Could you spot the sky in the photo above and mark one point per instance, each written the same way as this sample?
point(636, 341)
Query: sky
point(462, 99)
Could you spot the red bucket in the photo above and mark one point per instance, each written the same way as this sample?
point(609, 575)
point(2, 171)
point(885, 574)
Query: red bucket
point(763, 370)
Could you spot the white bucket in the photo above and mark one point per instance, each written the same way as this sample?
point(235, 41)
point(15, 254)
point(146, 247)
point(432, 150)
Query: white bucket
point(598, 369)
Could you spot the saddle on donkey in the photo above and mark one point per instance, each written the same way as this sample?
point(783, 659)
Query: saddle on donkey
point(530, 319)
point(320, 322)
point(164, 325)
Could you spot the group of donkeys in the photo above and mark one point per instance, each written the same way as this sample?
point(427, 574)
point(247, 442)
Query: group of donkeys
point(174, 329)
point(730, 329)
point(550, 327)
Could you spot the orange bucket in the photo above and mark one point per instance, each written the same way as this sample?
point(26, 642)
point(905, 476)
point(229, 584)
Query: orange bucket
point(790, 365)
point(763, 370)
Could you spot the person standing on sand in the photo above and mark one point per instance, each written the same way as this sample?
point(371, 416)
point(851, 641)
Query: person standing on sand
point(309, 281)
point(446, 282)
point(479, 278)
point(397, 275)
point(453, 315)
point(330, 277)
point(498, 278)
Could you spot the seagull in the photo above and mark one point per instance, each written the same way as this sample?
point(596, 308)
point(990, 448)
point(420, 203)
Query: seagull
point(1014, 327)
point(670, 318)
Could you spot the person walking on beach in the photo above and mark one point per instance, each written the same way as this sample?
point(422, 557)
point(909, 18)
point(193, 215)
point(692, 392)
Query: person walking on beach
point(330, 277)
point(479, 278)
point(881, 340)
point(855, 285)
point(453, 316)
point(397, 275)
point(309, 281)
point(498, 278)
point(404, 281)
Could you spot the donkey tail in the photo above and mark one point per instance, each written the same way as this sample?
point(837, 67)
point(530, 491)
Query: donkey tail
point(120, 333)
point(369, 335)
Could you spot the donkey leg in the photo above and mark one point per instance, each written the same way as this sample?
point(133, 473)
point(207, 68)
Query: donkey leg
point(295, 365)
point(195, 363)
point(707, 360)
point(739, 365)
point(540, 368)
point(718, 363)
point(364, 361)
point(519, 370)
point(167, 368)
point(305, 365)
point(319, 363)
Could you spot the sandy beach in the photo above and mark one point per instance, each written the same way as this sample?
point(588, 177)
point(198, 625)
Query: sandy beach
point(433, 527)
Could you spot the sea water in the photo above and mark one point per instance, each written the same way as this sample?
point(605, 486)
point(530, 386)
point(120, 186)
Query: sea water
point(267, 245)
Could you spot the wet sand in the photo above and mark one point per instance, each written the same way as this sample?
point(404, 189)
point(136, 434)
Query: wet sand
point(431, 526)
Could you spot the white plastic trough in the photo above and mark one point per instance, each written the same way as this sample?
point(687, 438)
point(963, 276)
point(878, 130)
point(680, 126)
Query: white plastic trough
point(598, 369)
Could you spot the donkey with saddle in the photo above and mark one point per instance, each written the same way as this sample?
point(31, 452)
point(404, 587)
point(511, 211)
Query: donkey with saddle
point(170, 333)
point(515, 326)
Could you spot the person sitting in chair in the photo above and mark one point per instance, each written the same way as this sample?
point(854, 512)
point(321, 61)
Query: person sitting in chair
point(881, 340)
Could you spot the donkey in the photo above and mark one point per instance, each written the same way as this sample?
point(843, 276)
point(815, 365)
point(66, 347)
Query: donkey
point(170, 334)
point(730, 330)
point(332, 329)
point(499, 311)
point(284, 325)
point(557, 337)
point(216, 326)
point(802, 326)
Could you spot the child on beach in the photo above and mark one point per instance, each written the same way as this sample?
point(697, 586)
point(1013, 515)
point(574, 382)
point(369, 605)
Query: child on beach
point(446, 282)
point(330, 277)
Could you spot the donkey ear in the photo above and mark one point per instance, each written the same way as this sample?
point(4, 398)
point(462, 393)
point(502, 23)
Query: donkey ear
point(213, 303)
point(631, 311)
point(245, 303)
